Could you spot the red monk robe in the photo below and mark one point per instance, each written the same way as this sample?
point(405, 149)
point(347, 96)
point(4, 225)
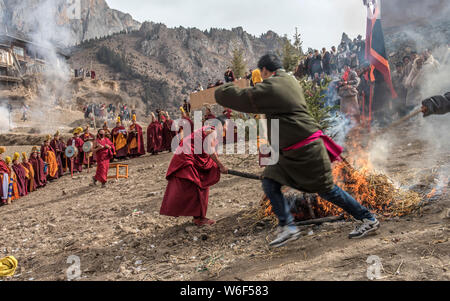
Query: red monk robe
point(21, 178)
point(190, 177)
point(78, 160)
point(135, 140)
point(49, 156)
point(167, 135)
point(104, 156)
point(38, 166)
point(119, 135)
point(31, 186)
point(154, 136)
point(57, 148)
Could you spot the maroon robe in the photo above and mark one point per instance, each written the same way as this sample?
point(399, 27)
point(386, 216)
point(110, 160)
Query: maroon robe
point(123, 152)
point(78, 160)
point(154, 138)
point(21, 179)
point(56, 145)
point(167, 135)
point(103, 156)
point(190, 177)
point(31, 185)
point(140, 149)
point(39, 176)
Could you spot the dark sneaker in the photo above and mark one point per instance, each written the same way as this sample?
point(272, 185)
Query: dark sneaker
point(364, 229)
point(285, 235)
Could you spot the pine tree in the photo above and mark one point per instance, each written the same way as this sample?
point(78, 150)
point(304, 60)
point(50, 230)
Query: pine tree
point(238, 64)
point(298, 43)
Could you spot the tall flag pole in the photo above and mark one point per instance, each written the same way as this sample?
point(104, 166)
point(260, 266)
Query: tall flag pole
point(375, 45)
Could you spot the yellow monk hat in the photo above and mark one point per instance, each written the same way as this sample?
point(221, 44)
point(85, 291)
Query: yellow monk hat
point(2, 150)
point(182, 110)
point(8, 160)
point(57, 134)
point(118, 119)
point(48, 138)
point(16, 157)
point(24, 156)
point(134, 117)
point(78, 130)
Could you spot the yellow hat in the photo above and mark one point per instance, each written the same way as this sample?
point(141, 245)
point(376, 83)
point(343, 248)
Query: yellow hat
point(48, 138)
point(57, 134)
point(182, 110)
point(118, 119)
point(35, 149)
point(78, 130)
point(16, 156)
point(8, 160)
point(24, 156)
point(134, 117)
point(2, 150)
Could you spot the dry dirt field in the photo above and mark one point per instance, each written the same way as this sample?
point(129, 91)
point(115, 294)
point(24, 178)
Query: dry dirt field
point(98, 225)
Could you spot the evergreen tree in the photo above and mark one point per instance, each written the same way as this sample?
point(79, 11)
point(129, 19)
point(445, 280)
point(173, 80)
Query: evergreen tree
point(237, 62)
point(298, 43)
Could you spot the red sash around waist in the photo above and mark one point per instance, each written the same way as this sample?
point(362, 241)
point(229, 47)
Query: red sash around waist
point(334, 150)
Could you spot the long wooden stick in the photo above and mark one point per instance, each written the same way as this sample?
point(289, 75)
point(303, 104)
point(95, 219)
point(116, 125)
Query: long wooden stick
point(321, 221)
point(244, 175)
point(398, 122)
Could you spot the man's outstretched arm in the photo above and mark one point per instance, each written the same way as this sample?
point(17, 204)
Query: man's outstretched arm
point(436, 105)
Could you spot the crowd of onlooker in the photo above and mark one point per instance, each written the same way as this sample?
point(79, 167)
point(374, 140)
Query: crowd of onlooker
point(110, 112)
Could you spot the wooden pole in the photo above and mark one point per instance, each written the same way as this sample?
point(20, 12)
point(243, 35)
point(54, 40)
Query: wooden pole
point(321, 221)
point(398, 122)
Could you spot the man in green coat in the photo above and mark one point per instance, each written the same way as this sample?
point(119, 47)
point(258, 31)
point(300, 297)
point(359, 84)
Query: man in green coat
point(306, 168)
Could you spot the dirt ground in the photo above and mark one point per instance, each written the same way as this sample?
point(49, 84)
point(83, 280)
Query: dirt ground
point(118, 233)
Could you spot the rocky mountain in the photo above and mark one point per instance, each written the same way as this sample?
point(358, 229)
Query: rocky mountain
point(74, 20)
point(164, 65)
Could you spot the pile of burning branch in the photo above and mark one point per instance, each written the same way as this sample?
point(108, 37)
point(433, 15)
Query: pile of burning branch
point(374, 191)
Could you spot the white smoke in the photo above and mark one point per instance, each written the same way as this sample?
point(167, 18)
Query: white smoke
point(5, 123)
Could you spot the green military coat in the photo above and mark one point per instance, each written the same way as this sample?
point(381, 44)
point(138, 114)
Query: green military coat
point(281, 97)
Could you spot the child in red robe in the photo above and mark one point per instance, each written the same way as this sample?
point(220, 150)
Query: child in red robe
point(190, 175)
point(104, 152)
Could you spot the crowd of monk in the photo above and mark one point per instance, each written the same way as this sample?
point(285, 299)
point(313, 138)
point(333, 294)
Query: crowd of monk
point(21, 175)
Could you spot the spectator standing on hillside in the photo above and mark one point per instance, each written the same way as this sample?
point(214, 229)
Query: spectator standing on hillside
point(229, 76)
point(316, 65)
point(326, 61)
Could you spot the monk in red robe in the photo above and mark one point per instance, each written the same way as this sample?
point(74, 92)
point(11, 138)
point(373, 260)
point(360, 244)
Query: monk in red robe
point(88, 158)
point(167, 133)
point(190, 176)
point(55, 144)
point(77, 142)
point(38, 166)
point(120, 136)
point(104, 151)
point(49, 157)
point(4, 178)
point(154, 136)
point(135, 139)
point(20, 174)
point(31, 185)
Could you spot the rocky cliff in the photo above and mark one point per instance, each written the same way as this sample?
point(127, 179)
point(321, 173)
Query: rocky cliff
point(166, 64)
point(78, 20)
